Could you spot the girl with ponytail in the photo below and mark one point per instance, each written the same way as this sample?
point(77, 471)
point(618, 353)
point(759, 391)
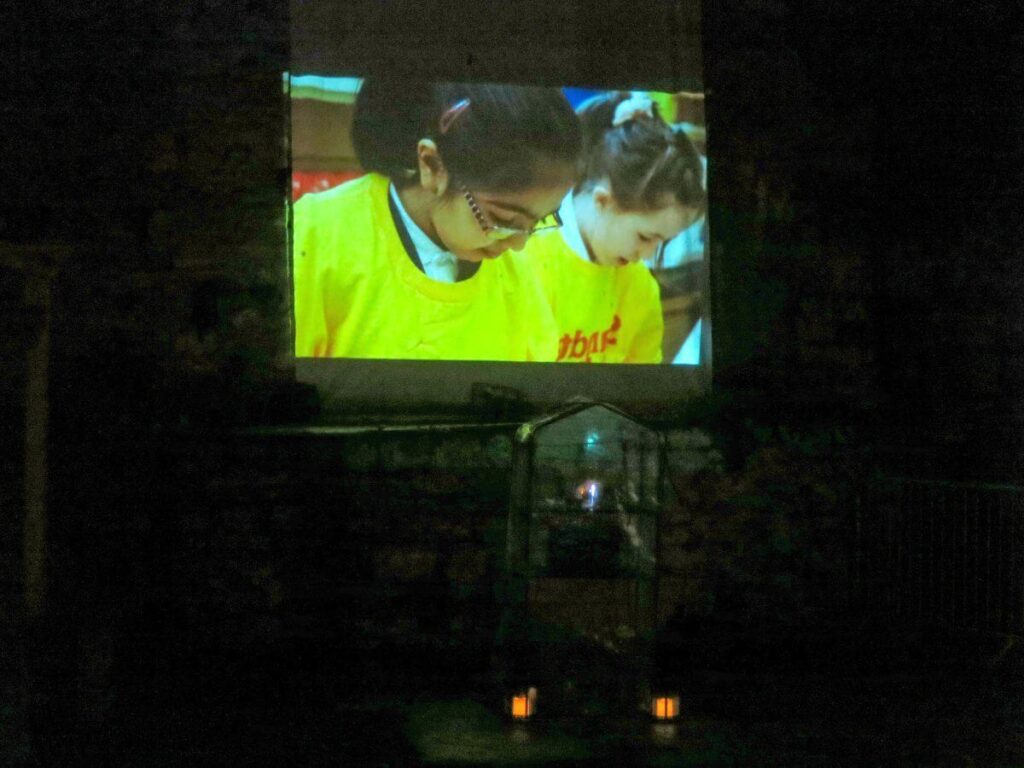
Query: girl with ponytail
point(418, 258)
point(639, 185)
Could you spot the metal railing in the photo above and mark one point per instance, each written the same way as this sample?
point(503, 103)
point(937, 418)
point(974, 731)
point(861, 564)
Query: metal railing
point(936, 553)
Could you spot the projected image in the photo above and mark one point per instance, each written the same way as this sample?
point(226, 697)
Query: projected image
point(470, 221)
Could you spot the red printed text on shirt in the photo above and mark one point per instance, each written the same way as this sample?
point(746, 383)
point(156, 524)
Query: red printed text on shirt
point(583, 346)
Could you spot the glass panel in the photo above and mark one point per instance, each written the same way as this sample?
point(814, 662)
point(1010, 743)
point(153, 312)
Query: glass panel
point(595, 500)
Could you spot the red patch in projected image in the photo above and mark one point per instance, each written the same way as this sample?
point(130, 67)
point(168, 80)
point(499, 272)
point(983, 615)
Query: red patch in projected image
point(581, 345)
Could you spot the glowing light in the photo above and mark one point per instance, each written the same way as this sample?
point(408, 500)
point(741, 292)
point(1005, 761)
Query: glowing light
point(665, 707)
point(589, 492)
point(523, 704)
point(520, 706)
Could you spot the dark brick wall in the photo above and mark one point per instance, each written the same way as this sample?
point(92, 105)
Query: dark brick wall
point(868, 167)
point(370, 542)
point(862, 194)
point(866, 276)
point(18, 334)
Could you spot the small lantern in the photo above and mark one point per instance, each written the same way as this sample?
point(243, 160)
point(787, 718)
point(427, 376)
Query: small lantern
point(523, 704)
point(665, 707)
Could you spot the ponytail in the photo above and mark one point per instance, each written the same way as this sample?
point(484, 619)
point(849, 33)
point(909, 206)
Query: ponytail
point(638, 153)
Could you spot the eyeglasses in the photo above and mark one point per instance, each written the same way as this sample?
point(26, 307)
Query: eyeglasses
point(493, 231)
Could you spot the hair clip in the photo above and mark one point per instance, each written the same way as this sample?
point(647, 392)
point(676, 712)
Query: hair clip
point(451, 114)
point(632, 108)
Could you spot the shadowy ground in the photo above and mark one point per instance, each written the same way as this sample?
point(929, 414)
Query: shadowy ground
point(886, 705)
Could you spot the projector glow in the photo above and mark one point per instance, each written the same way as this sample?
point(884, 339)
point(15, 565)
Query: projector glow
point(421, 267)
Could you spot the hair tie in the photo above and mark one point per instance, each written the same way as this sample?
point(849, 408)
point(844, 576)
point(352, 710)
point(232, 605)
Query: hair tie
point(450, 115)
point(631, 109)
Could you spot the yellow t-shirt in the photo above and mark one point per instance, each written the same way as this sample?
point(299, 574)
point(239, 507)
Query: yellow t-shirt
point(358, 294)
point(603, 314)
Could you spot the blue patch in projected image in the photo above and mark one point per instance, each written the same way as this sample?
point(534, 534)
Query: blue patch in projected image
point(689, 353)
point(577, 96)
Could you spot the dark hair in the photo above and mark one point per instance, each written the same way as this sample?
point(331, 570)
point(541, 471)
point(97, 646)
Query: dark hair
point(644, 158)
point(502, 139)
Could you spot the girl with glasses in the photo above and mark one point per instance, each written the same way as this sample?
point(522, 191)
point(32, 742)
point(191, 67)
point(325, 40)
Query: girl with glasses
point(418, 258)
point(640, 185)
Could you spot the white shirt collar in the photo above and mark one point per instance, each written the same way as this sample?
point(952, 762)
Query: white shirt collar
point(438, 264)
point(571, 228)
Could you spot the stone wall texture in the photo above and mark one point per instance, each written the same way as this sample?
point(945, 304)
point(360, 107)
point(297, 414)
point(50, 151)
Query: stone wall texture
point(865, 200)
